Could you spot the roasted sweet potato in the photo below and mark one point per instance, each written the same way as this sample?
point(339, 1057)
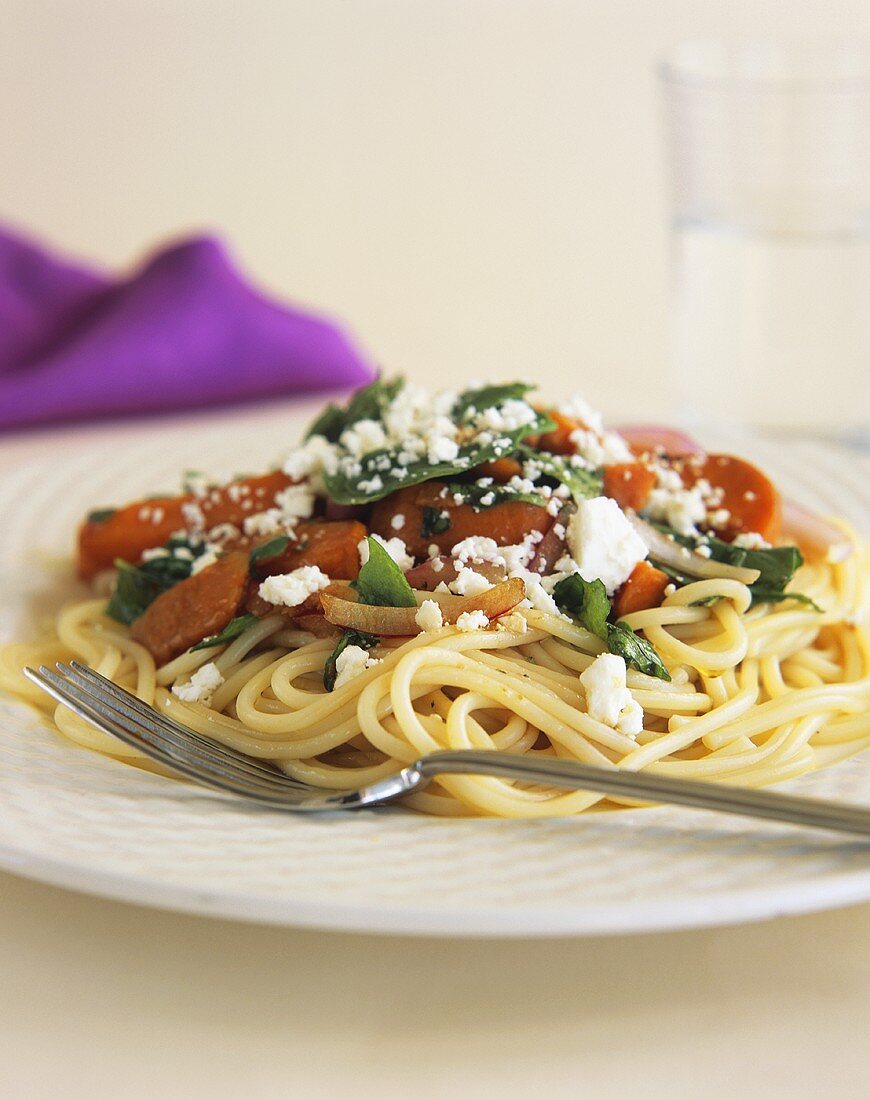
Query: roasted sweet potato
point(644, 588)
point(194, 608)
point(127, 532)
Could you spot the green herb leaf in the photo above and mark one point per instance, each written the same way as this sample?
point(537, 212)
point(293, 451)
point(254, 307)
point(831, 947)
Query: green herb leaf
point(587, 603)
point(366, 404)
point(234, 628)
point(435, 521)
point(484, 397)
point(381, 582)
point(100, 515)
point(350, 637)
point(582, 483)
point(635, 651)
point(777, 566)
point(137, 586)
point(475, 495)
point(266, 550)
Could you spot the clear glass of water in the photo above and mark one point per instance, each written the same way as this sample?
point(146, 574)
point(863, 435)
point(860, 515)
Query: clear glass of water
point(769, 155)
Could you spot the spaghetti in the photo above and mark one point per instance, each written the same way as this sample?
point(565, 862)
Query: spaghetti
point(750, 691)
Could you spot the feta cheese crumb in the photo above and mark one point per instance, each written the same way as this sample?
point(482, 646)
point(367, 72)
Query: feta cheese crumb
point(515, 623)
point(203, 562)
point(397, 522)
point(469, 583)
point(352, 661)
point(603, 543)
point(469, 621)
point(608, 699)
point(429, 616)
point(751, 540)
point(293, 589)
point(201, 686)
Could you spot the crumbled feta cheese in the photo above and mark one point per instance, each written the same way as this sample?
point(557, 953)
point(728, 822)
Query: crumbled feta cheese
point(269, 522)
point(605, 449)
point(203, 562)
point(296, 501)
point(477, 548)
point(719, 517)
point(703, 551)
point(201, 686)
point(751, 540)
point(372, 484)
point(293, 589)
point(469, 621)
point(395, 547)
point(469, 583)
point(608, 698)
point(670, 589)
point(442, 449)
point(397, 522)
point(603, 543)
point(352, 661)
point(192, 515)
point(515, 623)
point(155, 553)
point(363, 437)
point(429, 616)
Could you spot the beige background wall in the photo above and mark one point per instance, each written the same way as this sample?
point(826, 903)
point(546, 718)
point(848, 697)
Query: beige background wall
point(474, 185)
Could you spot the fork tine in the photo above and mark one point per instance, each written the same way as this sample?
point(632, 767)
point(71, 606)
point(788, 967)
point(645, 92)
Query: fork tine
point(149, 716)
point(173, 752)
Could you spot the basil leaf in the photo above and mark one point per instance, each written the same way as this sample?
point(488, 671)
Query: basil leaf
point(635, 651)
point(585, 601)
point(366, 404)
point(381, 582)
point(270, 549)
point(330, 423)
point(100, 515)
point(350, 637)
point(234, 628)
point(435, 521)
point(582, 483)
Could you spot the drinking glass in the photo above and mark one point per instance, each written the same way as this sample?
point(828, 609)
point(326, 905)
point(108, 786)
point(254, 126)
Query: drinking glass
point(769, 156)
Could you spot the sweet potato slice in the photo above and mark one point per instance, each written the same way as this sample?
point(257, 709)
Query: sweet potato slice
point(127, 532)
point(644, 588)
point(194, 608)
point(629, 483)
point(508, 522)
point(331, 545)
point(749, 495)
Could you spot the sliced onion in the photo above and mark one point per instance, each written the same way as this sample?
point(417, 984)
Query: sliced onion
point(818, 538)
point(683, 560)
point(341, 607)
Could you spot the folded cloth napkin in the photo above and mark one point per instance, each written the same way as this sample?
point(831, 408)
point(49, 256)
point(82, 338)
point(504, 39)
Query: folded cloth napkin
point(183, 331)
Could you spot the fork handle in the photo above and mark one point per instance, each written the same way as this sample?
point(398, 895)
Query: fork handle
point(649, 786)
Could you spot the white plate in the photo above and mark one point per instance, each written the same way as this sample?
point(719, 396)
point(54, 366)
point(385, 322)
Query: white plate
point(78, 820)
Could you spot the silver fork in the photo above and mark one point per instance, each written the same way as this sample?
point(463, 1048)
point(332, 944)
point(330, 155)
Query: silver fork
point(121, 714)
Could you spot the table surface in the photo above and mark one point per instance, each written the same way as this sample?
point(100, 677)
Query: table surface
point(95, 992)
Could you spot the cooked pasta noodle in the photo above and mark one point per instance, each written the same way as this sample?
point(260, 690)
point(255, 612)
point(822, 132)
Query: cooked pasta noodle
point(757, 694)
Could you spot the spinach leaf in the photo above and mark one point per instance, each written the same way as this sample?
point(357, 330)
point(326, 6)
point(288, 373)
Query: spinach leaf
point(234, 628)
point(587, 603)
point(137, 586)
point(777, 566)
point(100, 515)
point(266, 550)
point(381, 582)
point(435, 521)
point(484, 397)
point(582, 482)
point(635, 651)
point(350, 637)
point(476, 494)
point(381, 472)
point(366, 404)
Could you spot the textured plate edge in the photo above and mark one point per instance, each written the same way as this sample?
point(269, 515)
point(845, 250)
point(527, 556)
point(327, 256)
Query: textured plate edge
point(534, 922)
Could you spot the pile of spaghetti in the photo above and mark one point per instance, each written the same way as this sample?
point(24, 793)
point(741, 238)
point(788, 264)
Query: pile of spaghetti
point(470, 570)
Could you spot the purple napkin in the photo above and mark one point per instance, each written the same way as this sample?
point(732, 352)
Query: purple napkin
point(185, 330)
